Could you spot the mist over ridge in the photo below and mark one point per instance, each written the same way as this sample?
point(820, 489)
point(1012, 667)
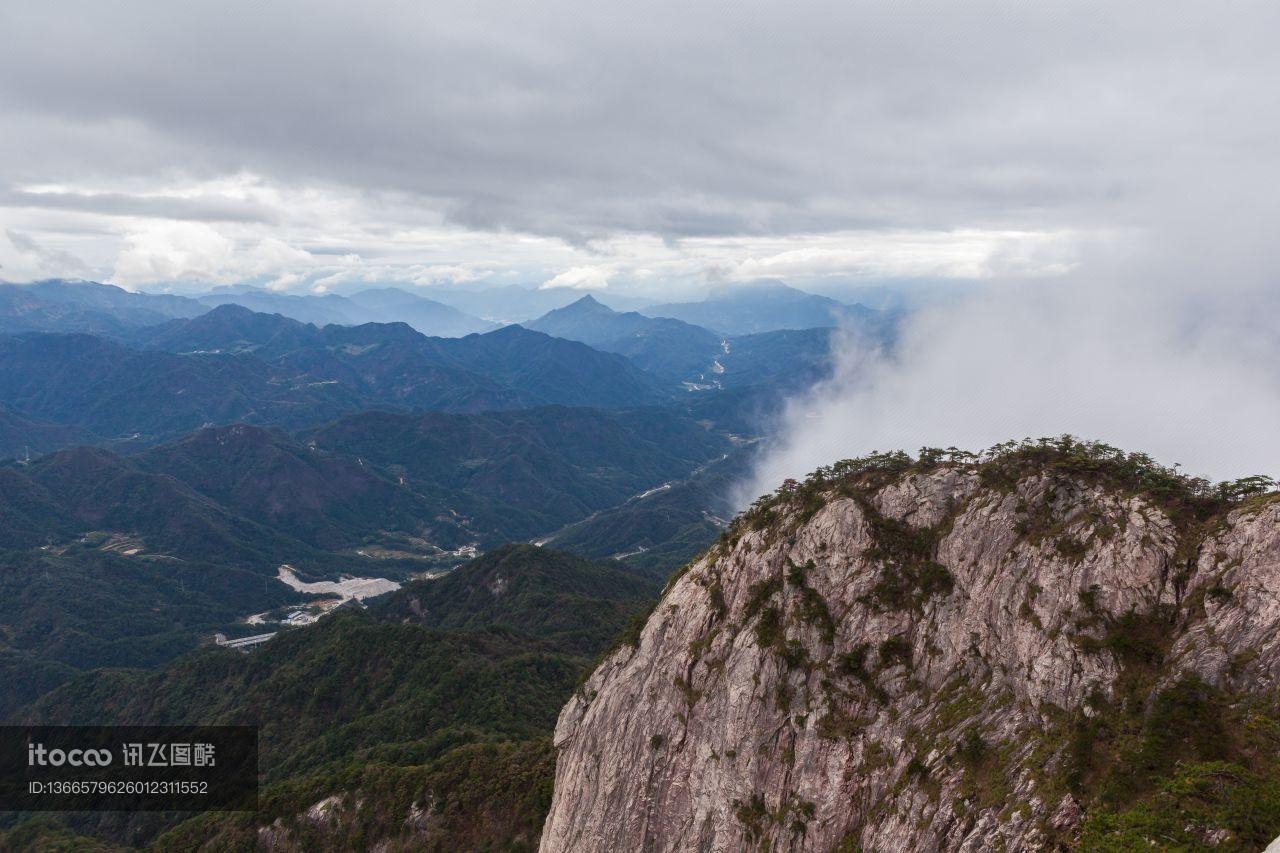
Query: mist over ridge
point(1166, 344)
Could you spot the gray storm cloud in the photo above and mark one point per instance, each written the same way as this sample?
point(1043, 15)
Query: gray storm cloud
point(585, 119)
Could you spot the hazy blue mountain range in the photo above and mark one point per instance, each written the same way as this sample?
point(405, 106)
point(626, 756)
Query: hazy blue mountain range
point(180, 456)
point(391, 304)
point(66, 306)
point(84, 306)
point(515, 304)
point(318, 309)
point(114, 392)
point(376, 305)
point(72, 306)
point(233, 365)
point(507, 367)
point(665, 347)
point(765, 306)
point(685, 353)
point(592, 322)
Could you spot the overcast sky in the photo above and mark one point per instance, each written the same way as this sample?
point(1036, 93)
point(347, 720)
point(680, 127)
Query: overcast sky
point(624, 145)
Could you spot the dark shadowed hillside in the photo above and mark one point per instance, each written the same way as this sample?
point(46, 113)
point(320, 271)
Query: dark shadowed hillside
point(450, 722)
point(326, 500)
point(555, 370)
point(124, 394)
point(234, 365)
point(21, 436)
point(521, 474)
point(524, 589)
point(665, 528)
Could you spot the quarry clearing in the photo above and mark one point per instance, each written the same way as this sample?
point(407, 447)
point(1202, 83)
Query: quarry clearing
point(347, 588)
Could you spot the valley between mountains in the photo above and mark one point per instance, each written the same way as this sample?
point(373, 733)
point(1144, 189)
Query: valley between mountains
point(492, 592)
point(1053, 646)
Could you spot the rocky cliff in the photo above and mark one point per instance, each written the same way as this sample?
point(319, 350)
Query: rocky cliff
point(1056, 645)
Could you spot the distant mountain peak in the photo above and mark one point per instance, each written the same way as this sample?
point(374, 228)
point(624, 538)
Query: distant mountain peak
point(756, 287)
point(231, 309)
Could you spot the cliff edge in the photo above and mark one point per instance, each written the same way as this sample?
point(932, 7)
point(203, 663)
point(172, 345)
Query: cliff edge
point(1053, 645)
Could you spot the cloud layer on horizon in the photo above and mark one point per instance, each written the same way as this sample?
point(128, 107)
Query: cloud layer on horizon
point(299, 144)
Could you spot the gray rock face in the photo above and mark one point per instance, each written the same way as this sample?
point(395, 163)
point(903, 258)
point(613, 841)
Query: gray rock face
point(883, 673)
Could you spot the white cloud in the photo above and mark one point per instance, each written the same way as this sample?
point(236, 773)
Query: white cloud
point(1163, 343)
point(965, 253)
point(580, 278)
point(197, 252)
point(150, 233)
point(447, 273)
point(173, 251)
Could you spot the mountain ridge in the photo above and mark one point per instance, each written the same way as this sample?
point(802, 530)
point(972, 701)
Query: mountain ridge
point(231, 365)
point(1050, 646)
point(769, 305)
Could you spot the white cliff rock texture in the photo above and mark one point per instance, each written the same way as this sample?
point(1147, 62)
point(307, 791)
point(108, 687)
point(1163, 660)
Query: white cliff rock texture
point(1011, 655)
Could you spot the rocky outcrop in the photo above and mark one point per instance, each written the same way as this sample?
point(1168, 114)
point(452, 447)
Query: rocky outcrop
point(951, 656)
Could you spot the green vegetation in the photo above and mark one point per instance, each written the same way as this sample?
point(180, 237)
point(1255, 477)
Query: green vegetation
point(460, 679)
point(910, 575)
point(516, 475)
point(1001, 467)
point(670, 526)
point(1200, 770)
point(1199, 806)
point(756, 817)
point(854, 665)
point(525, 590)
point(112, 560)
point(451, 714)
point(48, 836)
point(1185, 767)
point(480, 796)
point(86, 608)
point(895, 650)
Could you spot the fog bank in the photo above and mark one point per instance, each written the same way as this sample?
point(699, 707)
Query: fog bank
point(1167, 342)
